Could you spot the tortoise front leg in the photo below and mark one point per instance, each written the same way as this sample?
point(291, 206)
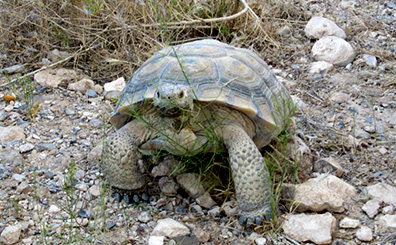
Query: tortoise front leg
point(121, 156)
point(251, 177)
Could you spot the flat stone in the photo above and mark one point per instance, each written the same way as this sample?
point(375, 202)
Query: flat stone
point(95, 190)
point(53, 209)
point(170, 228)
point(163, 167)
point(338, 97)
point(370, 60)
point(95, 154)
point(13, 69)
point(334, 50)
point(383, 192)
point(144, 217)
point(25, 148)
point(11, 133)
point(371, 207)
point(54, 77)
point(364, 234)
point(201, 235)
point(349, 223)
point(387, 221)
point(317, 228)
point(326, 192)
point(318, 27)
point(11, 234)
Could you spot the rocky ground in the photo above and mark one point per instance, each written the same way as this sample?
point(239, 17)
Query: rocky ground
point(52, 190)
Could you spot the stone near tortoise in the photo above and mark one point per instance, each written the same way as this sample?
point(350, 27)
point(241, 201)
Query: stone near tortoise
point(197, 97)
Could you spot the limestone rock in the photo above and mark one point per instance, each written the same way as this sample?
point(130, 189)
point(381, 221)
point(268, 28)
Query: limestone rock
point(191, 184)
point(113, 89)
point(371, 207)
point(364, 234)
point(317, 228)
point(349, 223)
point(11, 133)
point(383, 192)
point(334, 50)
point(387, 221)
point(326, 192)
point(318, 27)
point(54, 77)
point(11, 234)
point(170, 228)
point(156, 240)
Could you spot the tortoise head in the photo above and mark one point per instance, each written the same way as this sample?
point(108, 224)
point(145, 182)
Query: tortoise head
point(172, 99)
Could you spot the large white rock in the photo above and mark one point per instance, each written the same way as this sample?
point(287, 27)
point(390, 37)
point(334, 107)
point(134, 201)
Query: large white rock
point(170, 228)
point(364, 234)
point(371, 207)
point(383, 192)
point(113, 89)
point(317, 228)
point(326, 192)
point(334, 50)
point(54, 77)
point(318, 27)
point(11, 234)
point(11, 133)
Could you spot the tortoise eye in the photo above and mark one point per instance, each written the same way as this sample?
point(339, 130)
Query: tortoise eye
point(157, 94)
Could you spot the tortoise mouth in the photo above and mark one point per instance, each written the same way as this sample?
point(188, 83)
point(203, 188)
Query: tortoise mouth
point(170, 112)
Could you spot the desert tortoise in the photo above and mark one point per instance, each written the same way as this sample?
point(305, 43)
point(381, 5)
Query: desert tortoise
point(183, 96)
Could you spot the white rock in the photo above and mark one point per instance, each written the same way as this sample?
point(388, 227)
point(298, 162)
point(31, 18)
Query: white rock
point(82, 187)
point(11, 234)
point(320, 67)
point(25, 148)
point(156, 240)
point(144, 217)
point(347, 4)
point(94, 190)
point(349, 223)
point(191, 184)
point(364, 234)
point(370, 60)
point(113, 89)
point(317, 228)
point(53, 209)
point(11, 133)
point(371, 207)
point(170, 228)
point(229, 209)
point(299, 103)
point(334, 50)
point(205, 201)
point(54, 77)
point(383, 192)
point(260, 241)
point(318, 27)
point(326, 192)
point(388, 209)
point(387, 220)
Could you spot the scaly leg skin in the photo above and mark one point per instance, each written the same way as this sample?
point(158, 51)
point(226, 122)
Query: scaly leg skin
point(121, 157)
point(251, 177)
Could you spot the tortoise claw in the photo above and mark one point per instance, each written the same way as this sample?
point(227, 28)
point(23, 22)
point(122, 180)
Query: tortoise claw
point(241, 220)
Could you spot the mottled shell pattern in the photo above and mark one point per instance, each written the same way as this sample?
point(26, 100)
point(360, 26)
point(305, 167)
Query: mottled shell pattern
point(218, 72)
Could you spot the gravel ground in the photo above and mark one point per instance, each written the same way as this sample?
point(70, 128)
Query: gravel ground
point(50, 181)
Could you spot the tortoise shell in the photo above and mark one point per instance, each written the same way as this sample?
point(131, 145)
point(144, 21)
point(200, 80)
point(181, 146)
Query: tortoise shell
point(217, 72)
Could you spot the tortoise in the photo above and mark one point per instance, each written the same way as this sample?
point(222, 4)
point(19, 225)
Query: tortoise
point(185, 94)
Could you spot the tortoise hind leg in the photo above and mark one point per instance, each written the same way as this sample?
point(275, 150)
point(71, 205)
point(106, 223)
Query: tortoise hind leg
point(120, 157)
point(251, 177)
